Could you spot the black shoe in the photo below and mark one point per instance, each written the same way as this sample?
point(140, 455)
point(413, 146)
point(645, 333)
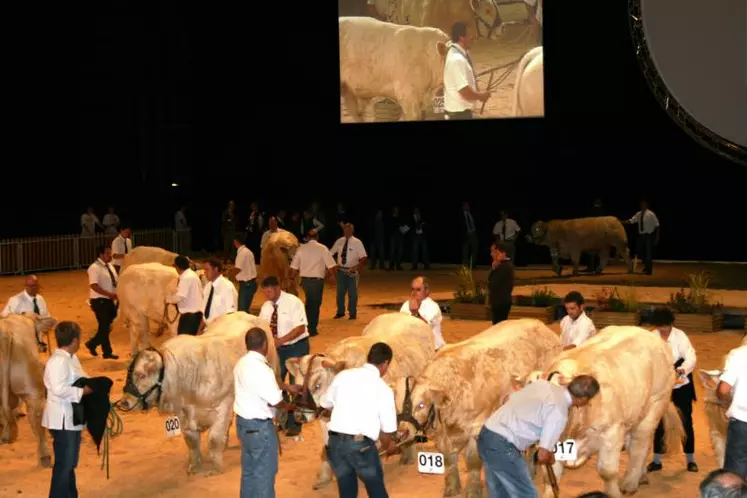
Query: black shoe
point(91, 349)
point(352, 317)
point(692, 467)
point(653, 467)
point(337, 317)
point(111, 356)
point(313, 334)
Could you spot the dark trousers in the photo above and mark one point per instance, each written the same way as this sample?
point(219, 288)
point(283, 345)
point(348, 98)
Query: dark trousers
point(467, 114)
point(351, 460)
point(247, 289)
point(66, 446)
point(105, 311)
point(736, 448)
point(377, 253)
point(396, 244)
point(420, 247)
point(259, 457)
point(469, 250)
point(297, 350)
point(314, 290)
point(189, 323)
point(645, 251)
point(499, 312)
point(347, 284)
point(683, 400)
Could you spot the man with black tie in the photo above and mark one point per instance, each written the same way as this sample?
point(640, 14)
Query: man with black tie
point(460, 83)
point(102, 283)
point(419, 241)
point(121, 247)
point(648, 236)
point(469, 237)
point(507, 231)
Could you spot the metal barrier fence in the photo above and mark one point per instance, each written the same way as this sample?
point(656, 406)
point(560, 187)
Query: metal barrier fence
point(63, 252)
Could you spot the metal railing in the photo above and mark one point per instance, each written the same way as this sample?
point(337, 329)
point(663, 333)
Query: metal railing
point(64, 252)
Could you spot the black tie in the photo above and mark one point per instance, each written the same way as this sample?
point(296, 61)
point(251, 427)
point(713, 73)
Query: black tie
point(504, 230)
point(36, 306)
point(111, 275)
point(470, 225)
point(210, 301)
point(344, 255)
point(126, 251)
point(640, 221)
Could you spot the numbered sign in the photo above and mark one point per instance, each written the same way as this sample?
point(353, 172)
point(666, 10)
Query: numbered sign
point(430, 463)
point(566, 450)
point(172, 426)
point(438, 105)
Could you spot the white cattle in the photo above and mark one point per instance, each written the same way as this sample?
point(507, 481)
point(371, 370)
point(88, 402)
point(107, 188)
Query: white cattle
point(529, 89)
point(148, 254)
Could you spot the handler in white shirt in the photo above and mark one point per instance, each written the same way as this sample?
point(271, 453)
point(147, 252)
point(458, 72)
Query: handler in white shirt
point(351, 256)
point(88, 223)
point(683, 394)
point(507, 230)
point(732, 388)
point(28, 301)
point(576, 327)
point(121, 246)
point(102, 292)
point(61, 371)
point(648, 235)
point(363, 411)
point(111, 222)
point(313, 262)
point(219, 295)
point(257, 398)
point(423, 307)
point(460, 84)
point(247, 275)
point(188, 297)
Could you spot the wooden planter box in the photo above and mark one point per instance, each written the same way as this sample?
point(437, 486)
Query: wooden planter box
point(470, 311)
point(544, 314)
point(603, 319)
point(696, 322)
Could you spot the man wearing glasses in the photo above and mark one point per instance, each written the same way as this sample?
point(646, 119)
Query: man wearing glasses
point(423, 307)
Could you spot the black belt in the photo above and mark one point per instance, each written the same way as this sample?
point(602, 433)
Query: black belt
point(312, 278)
point(297, 342)
point(357, 437)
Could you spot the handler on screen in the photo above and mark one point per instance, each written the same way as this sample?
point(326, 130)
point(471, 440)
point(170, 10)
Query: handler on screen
point(539, 412)
point(460, 84)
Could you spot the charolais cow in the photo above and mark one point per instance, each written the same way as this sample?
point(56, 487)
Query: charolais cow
point(441, 14)
point(569, 238)
point(380, 59)
point(634, 369)
point(22, 378)
point(529, 90)
point(466, 382)
point(411, 341)
point(716, 411)
point(148, 254)
point(277, 255)
point(192, 377)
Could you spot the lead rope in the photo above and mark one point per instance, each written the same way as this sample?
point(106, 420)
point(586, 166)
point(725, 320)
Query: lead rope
point(114, 427)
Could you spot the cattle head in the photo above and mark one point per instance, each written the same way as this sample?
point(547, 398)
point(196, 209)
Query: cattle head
point(487, 18)
point(42, 325)
point(417, 404)
point(315, 373)
point(144, 384)
point(710, 380)
point(538, 233)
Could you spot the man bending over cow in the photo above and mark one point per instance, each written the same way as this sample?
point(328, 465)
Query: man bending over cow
point(539, 412)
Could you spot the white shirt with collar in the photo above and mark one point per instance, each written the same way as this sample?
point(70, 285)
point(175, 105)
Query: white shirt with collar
point(122, 246)
point(188, 295)
point(682, 348)
point(291, 314)
point(576, 331)
point(361, 403)
point(88, 224)
point(735, 374)
point(245, 263)
point(225, 298)
point(61, 371)
point(356, 251)
point(266, 236)
point(110, 222)
point(312, 260)
point(23, 302)
point(458, 73)
point(257, 390)
point(650, 222)
point(180, 221)
point(97, 274)
point(431, 311)
point(512, 229)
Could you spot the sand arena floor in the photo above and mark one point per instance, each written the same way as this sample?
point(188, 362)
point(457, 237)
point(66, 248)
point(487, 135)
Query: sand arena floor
point(145, 463)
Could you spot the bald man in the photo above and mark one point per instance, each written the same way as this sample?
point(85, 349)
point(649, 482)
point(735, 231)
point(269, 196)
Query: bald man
point(423, 307)
point(721, 482)
point(28, 300)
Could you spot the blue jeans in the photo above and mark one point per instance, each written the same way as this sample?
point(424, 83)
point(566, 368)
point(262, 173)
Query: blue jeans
point(347, 284)
point(353, 459)
point(314, 290)
point(735, 459)
point(297, 350)
point(259, 457)
point(506, 472)
point(66, 452)
point(246, 294)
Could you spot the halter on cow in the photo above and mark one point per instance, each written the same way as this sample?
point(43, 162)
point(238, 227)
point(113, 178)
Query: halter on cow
point(132, 390)
point(406, 415)
point(304, 400)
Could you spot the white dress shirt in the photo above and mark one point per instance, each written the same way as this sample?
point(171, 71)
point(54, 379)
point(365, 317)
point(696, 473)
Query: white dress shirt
point(266, 236)
point(291, 314)
point(431, 311)
point(512, 229)
point(650, 222)
point(88, 224)
point(23, 302)
point(539, 412)
point(225, 298)
point(122, 246)
point(576, 331)
point(188, 295)
point(180, 221)
point(735, 374)
point(361, 403)
point(245, 263)
point(682, 349)
point(97, 274)
point(61, 371)
point(312, 260)
point(458, 73)
point(257, 390)
point(110, 222)
point(356, 251)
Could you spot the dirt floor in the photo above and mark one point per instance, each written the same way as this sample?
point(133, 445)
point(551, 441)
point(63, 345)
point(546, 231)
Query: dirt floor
point(145, 463)
point(486, 54)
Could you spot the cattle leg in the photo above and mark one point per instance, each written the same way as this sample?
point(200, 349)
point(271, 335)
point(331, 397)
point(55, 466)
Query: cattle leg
point(575, 258)
point(35, 409)
point(408, 455)
point(452, 486)
point(556, 261)
point(608, 460)
point(352, 104)
point(192, 438)
point(474, 470)
point(324, 476)
point(640, 444)
point(217, 436)
point(604, 257)
point(411, 109)
point(625, 252)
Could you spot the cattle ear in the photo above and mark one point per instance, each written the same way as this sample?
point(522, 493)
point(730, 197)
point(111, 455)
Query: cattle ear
point(338, 367)
point(441, 47)
point(438, 397)
point(294, 366)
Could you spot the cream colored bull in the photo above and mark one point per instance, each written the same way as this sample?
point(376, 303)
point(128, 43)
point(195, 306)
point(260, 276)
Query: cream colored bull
point(634, 369)
point(529, 89)
point(440, 14)
point(148, 254)
point(412, 345)
point(22, 378)
point(277, 255)
point(465, 383)
point(192, 377)
point(569, 238)
point(380, 59)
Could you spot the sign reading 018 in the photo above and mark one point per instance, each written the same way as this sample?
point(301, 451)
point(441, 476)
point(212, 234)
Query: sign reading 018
point(430, 463)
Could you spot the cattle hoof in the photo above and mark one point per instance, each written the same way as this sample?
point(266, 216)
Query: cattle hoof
point(194, 468)
point(644, 479)
point(627, 487)
point(450, 491)
point(475, 492)
point(46, 462)
point(320, 484)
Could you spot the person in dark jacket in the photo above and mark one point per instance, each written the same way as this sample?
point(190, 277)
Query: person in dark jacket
point(378, 231)
point(500, 282)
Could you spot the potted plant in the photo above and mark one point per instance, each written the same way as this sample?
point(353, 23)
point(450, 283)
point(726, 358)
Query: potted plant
point(540, 305)
point(614, 308)
point(470, 298)
point(693, 307)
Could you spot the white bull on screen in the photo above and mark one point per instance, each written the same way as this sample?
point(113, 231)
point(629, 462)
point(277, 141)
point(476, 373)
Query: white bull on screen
point(529, 89)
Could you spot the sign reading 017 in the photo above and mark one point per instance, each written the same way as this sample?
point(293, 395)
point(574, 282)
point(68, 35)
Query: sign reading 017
point(173, 427)
point(566, 450)
point(430, 463)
